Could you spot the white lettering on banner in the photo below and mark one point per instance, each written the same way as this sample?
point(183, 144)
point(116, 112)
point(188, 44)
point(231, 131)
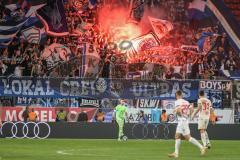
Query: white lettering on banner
point(48, 103)
point(39, 88)
point(147, 103)
point(90, 102)
point(49, 90)
point(16, 87)
point(74, 102)
point(27, 87)
point(6, 87)
point(85, 88)
point(151, 89)
point(186, 89)
point(20, 117)
point(133, 114)
point(44, 116)
point(11, 116)
point(50, 117)
point(75, 88)
point(215, 85)
point(24, 100)
point(15, 114)
point(224, 116)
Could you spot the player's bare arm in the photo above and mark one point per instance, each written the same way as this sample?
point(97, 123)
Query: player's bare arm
point(191, 110)
point(178, 111)
point(197, 110)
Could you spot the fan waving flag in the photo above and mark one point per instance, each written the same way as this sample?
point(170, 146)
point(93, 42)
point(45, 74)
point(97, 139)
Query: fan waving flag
point(33, 31)
point(9, 29)
point(204, 44)
point(160, 27)
point(53, 18)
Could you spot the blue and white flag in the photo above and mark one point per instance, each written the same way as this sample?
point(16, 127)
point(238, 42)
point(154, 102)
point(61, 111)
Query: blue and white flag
point(33, 31)
point(9, 29)
point(204, 44)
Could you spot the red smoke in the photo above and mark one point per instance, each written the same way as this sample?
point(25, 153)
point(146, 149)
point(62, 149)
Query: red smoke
point(116, 23)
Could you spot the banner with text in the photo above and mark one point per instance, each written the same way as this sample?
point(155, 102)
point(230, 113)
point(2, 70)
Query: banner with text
point(46, 114)
point(153, 116)
point(97, 88)
point(219, 92)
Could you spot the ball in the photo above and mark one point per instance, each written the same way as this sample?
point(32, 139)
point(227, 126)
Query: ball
point(124, 138)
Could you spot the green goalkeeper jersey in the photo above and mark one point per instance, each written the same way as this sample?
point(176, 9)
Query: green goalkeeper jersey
point(120, 112)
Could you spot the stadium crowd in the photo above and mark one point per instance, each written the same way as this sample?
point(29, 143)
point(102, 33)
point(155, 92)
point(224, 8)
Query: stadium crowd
point(23, 59)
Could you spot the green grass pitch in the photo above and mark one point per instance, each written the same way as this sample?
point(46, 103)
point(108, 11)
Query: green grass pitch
point(74, 149)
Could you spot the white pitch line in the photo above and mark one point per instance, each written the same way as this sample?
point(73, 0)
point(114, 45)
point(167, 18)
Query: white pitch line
point(66, 152)
point(63, 153)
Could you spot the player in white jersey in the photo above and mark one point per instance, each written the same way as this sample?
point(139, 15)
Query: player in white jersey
point(204, 109)
point(183, 111)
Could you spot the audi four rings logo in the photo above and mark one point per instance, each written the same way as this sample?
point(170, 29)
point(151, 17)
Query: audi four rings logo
point(143, 131)
point(25, 130)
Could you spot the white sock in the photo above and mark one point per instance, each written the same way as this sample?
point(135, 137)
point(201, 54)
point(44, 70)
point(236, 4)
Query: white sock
point(204, 139)
point(207, 138)
point(195, 142)
point(177, 146)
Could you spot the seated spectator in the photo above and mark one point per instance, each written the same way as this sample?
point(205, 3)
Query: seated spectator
point(32, 116)
point(61, 116)
point(100, 116)
point(82, 117)
point(164, 117)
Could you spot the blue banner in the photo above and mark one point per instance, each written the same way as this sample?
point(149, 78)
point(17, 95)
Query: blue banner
point(97, 88)
point(219, 92)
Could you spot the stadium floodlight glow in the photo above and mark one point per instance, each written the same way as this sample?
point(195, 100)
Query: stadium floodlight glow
point(15, 128)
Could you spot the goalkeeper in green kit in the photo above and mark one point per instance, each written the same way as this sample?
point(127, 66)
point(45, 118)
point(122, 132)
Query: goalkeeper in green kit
point(121, 112)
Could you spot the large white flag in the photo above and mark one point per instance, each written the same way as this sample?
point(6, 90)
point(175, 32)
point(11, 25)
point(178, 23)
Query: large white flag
point(56, 53)
point(91, 60)
point(144, 42)
point(160, 27)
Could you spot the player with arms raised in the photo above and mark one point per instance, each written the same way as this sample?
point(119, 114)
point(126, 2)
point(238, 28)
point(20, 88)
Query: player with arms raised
point(204, 109)
point(183, 111)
